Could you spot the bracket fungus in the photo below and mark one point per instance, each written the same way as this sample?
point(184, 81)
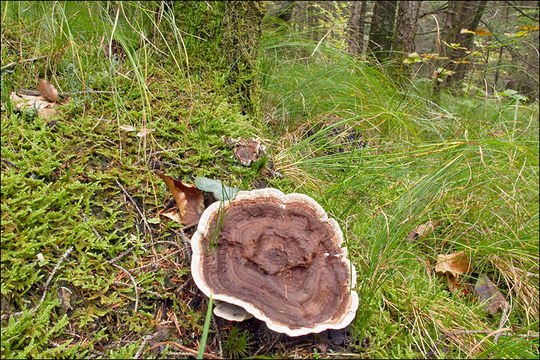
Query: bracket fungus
point(279, 258)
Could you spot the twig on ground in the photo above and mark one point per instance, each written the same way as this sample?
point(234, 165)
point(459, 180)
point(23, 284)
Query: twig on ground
point(147, 227)
point(504, 319)
point(270, 347)
point(68, 251)
point(66, 254)
point(85, 219)
point(7, 66)
point(155, 262)
point(186, 243)
point(7, 162)
point(66, 93)
point(342, 354)
point(121, 255)
point(181, 347)
point(134, 285)
point(145, 340)
point(464, 332)
point(218, 335)
point(169, 242)
point(189, 226)
point(178, 353)
point(181, 287)
point(498, 331)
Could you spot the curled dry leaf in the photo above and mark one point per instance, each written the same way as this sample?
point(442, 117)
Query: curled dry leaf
point(65, 295)
point(127, 128)
point(173, 214)
point(144, 132)
point(457, 286)
point(488, 293)
point(188, 198)
point(246, 151)
point(47, 90)
point(44, 108)
point(422, 230)
point(454, 264)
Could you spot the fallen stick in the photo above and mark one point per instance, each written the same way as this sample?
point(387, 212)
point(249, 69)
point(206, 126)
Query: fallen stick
point(181, 347)
point(136, 206)
point(134, 285)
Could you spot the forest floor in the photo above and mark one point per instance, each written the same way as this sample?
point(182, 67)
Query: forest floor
point(90, 269)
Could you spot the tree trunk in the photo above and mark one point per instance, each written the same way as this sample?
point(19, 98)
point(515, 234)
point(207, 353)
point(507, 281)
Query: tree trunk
point(459, 15)
point(407, 17)
point(356, 27)
point(382, 29)
point(223, 38)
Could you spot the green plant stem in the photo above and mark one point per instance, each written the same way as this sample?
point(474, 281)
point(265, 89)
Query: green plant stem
point(202, 344)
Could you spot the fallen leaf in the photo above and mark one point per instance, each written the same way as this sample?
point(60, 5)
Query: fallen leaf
point(482, 32)
point(43, 107)
point(47, 90)
point(144, 132)
point(531, 28)
point(422, 230)
point(246, 151)
point(456, 286)
point(173, 214)
point(454, 264)
point(127, 128)
point(220, 190)
point(188, 198)
point(488, 293)
point(65, 296)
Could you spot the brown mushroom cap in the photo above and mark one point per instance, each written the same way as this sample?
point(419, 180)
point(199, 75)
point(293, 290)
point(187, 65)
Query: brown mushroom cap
point(279, 257)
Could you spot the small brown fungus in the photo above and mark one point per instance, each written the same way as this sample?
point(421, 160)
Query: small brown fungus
point(279, 257)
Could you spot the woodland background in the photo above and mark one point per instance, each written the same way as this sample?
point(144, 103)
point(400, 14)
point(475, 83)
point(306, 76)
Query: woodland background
point(413, 123)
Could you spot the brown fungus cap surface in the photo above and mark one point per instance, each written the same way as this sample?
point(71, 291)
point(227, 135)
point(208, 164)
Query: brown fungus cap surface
point(280, 258)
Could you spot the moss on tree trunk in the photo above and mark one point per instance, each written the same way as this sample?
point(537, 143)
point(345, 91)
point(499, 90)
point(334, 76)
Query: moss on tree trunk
point(224, 37)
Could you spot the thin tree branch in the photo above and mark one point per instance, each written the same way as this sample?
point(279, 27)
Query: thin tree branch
point(516, 7)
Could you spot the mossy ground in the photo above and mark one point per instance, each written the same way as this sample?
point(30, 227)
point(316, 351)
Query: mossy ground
point(380, 158)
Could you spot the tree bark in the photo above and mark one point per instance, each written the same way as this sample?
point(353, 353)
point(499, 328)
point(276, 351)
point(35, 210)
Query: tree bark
point(459, 15)
point(356, 27)
point(382, 29)
point(407, 17)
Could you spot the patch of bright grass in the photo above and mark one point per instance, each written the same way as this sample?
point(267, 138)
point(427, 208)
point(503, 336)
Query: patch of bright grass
point(380, 157)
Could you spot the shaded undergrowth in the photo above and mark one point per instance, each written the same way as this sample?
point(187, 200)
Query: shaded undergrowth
point(380, 157)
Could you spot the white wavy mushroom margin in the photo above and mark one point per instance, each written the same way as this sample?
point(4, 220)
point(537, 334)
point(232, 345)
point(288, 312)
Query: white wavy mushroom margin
point(197, 270)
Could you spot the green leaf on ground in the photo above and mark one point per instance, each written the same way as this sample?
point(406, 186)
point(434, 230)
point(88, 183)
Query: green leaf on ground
point(220, 190)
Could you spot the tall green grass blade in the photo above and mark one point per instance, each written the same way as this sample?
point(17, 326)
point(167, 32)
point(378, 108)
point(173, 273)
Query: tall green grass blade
point(204, 337)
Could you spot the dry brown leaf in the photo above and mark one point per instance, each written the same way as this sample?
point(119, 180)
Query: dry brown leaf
point(422, 230)
point(487, 292)
point(454, 264)
point(173, 214)
point(246, 151)
point(144, 132)
point(44, 108)
point(65, 296)
point(188, 198)
point(127, 128)
point(47, 90)
point(456, 286)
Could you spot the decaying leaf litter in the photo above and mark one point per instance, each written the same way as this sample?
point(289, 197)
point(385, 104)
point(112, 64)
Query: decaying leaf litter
point(133, 278)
